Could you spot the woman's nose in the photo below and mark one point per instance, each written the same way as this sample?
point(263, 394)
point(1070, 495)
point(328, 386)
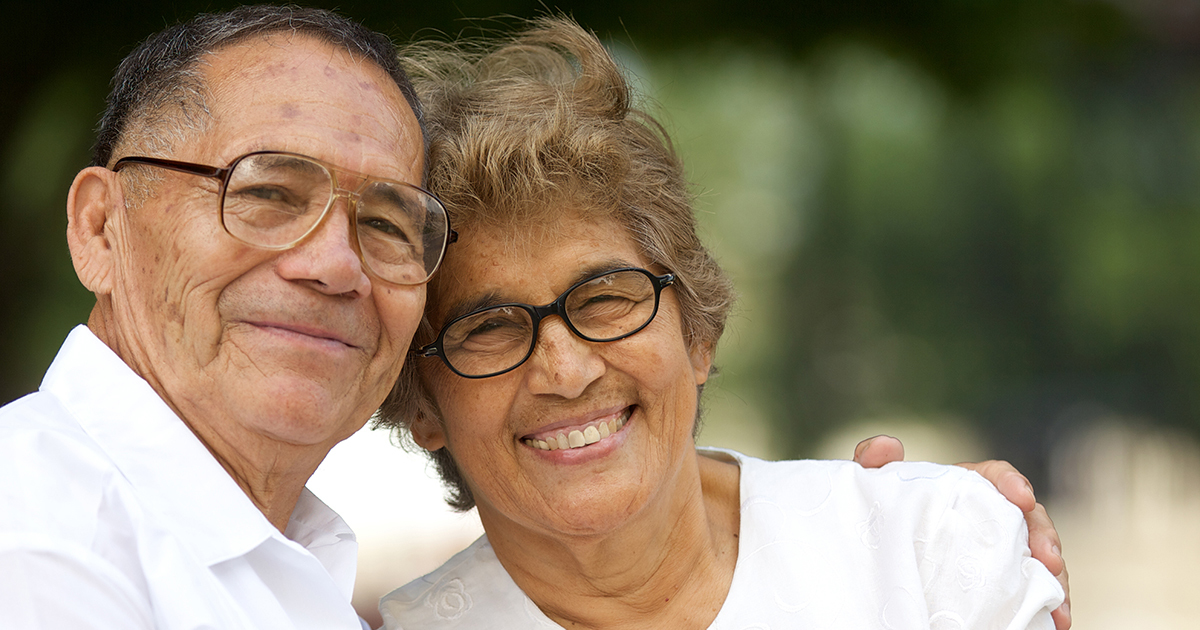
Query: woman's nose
point(562, 363)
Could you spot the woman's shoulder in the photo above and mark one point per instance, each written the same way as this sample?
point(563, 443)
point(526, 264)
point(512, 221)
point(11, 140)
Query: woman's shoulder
point(825, 540)
point(761, 475)
point(917, 490)
point(471, 590)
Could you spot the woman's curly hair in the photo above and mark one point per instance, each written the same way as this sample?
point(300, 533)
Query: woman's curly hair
point(525, 127)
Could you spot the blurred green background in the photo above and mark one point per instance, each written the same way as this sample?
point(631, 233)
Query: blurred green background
point(978, 210)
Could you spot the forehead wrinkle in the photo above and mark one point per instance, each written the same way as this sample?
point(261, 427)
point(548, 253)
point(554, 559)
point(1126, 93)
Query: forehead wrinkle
point(379, 126)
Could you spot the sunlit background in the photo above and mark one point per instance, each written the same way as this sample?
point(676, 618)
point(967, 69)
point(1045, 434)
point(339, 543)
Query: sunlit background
point(974, 224)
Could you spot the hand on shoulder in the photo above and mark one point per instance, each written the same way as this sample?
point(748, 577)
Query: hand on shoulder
point(1044, 542)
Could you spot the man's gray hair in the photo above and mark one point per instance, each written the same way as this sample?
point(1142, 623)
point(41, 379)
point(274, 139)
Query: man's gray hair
point(158, 96)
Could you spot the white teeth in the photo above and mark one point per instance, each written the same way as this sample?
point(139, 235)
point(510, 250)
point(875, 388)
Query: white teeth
point(575, 439)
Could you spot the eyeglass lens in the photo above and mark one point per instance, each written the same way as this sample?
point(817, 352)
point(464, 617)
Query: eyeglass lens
point(605, 308)
point(274, 200)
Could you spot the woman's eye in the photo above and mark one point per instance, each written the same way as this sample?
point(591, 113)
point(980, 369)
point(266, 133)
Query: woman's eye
point(496, 325)
point(485, 328)
point(605, 303)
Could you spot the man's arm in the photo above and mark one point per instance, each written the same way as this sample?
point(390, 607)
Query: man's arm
point(1044, 543)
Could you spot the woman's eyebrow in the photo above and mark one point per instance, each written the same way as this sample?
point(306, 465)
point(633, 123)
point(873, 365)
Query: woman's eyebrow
point(484, 300)
point(495, 298)
point(598, 268)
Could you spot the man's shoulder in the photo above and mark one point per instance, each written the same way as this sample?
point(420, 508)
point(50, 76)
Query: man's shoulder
point(36, 430)
point(54, 479)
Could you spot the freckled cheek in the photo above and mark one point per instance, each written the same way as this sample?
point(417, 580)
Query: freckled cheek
point(468, 407)
point(438, 382)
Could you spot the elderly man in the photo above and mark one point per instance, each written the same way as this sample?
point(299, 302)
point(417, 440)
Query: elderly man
point(257, 245)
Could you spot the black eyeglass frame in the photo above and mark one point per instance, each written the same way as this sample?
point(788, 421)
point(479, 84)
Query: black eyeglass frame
point(538, 313)
point(222, 174)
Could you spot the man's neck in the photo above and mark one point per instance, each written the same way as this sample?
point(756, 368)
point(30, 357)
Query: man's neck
point(271, 473)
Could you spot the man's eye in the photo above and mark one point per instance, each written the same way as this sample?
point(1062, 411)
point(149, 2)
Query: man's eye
point(265, 193)
point(383, 227)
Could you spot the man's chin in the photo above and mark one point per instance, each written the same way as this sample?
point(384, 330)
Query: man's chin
point(301, 412)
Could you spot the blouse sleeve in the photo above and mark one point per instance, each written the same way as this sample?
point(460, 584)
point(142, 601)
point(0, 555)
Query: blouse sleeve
point(976, 566)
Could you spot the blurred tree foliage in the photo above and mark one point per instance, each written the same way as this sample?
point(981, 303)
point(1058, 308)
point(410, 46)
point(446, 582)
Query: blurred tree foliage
point(971, 207)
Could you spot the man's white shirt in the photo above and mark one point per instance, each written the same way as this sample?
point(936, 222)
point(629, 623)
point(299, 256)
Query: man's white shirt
point(114, 515)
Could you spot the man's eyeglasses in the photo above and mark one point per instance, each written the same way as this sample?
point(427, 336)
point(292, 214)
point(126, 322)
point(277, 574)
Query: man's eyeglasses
point(494, 340)
point(273, 200)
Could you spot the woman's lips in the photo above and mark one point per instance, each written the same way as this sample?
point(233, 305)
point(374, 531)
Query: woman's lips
point(579, 437)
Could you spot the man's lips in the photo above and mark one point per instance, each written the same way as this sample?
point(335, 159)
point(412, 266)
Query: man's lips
point(306, 330)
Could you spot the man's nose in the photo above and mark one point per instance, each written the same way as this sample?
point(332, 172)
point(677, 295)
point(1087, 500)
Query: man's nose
point(562, 363)
point(326, 259)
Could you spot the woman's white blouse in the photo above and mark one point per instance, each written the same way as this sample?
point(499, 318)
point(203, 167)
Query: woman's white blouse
point(823, 544)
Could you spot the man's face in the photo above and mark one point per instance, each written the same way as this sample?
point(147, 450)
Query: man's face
point(252, 346)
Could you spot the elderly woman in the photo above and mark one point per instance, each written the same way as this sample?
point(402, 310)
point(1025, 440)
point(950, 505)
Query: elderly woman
point(569, 335)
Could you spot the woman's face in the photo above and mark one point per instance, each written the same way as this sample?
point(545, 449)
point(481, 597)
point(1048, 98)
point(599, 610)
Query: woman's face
point(645, 384)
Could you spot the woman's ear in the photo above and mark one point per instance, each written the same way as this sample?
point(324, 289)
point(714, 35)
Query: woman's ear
point(427, 432)
point(94, 197)
point(701, 357)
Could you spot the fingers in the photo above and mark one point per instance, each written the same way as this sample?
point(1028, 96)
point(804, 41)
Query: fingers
point(1011, 483)
point(877, 451)
point(1062, 614)
point(1046, 547)
point(1044, 543)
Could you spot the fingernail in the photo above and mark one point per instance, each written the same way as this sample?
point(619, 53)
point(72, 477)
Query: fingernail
point(1066, 609)
point(1055, 550)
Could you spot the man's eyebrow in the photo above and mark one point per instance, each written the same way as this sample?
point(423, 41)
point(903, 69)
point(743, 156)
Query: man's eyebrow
point(495, 298)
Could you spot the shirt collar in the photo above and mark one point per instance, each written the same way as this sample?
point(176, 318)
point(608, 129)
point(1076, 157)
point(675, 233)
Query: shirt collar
point(319, 529)
point(172, 470)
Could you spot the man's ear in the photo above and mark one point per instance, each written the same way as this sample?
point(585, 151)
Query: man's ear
point(94, 198)
point(427, 432)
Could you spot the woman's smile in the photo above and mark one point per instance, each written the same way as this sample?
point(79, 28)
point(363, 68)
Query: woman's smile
point(578, 436)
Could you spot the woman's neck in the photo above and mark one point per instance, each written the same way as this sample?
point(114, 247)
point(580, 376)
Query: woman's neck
point(669, 566)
